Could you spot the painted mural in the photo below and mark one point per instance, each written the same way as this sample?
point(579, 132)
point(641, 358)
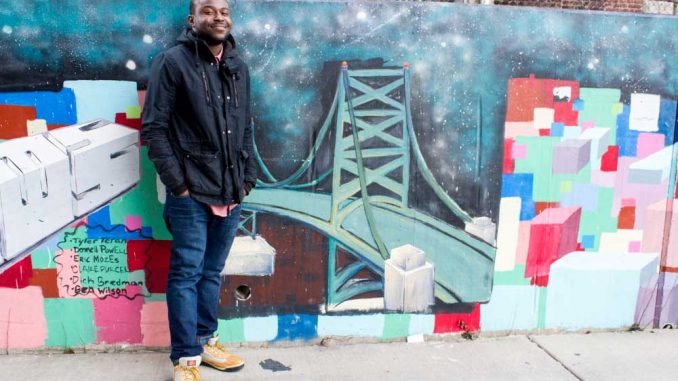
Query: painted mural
point(424, 168)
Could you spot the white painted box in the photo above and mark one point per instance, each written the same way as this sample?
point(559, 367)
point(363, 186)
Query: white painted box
point(104, 161)
point(34, 193)
point(250, 256)
point(408, 280)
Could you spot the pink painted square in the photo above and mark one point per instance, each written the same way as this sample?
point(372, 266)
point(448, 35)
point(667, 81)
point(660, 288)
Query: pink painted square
point(118, 320)
point(154, 325)
point(523, 242)
point(519, 151)
point(649, 143)
point(634, 246)
point(22, 318)
point(586, 125)
point(133, 223)
point(628, 202)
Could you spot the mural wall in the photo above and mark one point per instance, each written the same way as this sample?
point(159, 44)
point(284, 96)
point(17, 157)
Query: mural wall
point(424, 168)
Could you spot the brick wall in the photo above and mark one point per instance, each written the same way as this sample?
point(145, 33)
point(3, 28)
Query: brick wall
point(599, 5)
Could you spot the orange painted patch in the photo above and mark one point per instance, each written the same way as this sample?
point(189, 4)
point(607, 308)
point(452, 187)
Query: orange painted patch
point(526, 94)
point(13, 120)
point(627, 217)
point(47, 280)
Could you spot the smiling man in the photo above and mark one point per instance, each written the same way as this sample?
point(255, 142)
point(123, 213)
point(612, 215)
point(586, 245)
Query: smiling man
point(196, 123)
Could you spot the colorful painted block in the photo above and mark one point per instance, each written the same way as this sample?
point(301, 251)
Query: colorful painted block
point(599, 103)
point(609, 160)
point(511, 308)
point(570, 156)
point(13, 121)
point(154, 324)
point(649, 143)
point(526, 94)
point(619, 241)
point(582, 194)
point(520, 185)
point(644, 112)
point(508, 233)
point(553, 234)
point(509, 162)
point(557, 129)
point(458, 322)
point(53, 107)
point(22, 318)
point(668, 115)
point(102, 99)
point(653, 169)
point(600, 139)
point(360, 325)
point(543, 118)
point(515, 129)
point(597, 290)
point(654, 231)
point(626, 138)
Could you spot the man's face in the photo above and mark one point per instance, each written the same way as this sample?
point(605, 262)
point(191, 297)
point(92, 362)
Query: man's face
point(211, 20)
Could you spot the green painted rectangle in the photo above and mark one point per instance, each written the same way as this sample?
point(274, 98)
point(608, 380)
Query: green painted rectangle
point(70, 322)
point(396, 325)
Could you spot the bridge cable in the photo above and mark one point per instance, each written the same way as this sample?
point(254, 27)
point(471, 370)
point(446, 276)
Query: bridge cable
point(307, 163)
point(425, 171)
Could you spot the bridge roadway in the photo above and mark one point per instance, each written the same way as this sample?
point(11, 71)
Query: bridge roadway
point(463, 264)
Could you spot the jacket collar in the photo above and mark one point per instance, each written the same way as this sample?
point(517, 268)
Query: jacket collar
point(229, 57)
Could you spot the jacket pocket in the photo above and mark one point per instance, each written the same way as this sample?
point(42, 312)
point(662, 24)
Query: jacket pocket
point(242, 163)
point(203, 172)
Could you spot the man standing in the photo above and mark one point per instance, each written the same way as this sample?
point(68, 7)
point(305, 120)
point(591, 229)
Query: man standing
point(196, 123)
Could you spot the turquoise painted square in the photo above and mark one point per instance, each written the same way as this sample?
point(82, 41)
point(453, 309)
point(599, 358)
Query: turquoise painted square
point(70, 322)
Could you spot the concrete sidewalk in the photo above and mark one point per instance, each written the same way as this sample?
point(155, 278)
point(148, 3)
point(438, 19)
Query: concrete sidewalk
point(648, 355)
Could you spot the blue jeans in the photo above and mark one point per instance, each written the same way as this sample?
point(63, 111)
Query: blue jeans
point(200, 245)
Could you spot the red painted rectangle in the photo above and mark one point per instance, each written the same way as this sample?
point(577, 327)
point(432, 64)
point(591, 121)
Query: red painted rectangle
point(19, 275)
point(152, 256)
point(13, 120)
point(553, 234)
point(509, 162)
point(447, 323)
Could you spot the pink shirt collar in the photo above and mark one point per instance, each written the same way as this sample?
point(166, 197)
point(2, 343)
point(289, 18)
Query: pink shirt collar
point(221, 53)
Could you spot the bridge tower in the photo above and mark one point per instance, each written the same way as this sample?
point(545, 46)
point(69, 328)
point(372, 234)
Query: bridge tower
point(371, 161)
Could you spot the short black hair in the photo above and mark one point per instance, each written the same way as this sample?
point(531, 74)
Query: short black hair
point(191, 7)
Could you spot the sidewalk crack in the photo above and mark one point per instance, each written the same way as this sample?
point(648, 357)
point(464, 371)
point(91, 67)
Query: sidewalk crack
point(570, 370)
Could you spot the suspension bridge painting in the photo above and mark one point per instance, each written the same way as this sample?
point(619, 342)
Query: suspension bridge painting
point(389, 135)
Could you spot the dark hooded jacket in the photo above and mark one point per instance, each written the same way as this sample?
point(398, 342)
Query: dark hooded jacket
point(196, 122)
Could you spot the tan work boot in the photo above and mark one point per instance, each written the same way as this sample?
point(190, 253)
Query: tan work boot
point(187, 369)
point(216, 356)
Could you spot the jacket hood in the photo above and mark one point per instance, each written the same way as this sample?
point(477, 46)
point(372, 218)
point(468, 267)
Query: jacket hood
point(191, 40)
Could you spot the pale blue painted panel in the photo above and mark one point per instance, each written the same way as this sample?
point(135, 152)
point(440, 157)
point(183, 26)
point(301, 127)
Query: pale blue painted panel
point(422, 324)
point(102, 99)
point(359, 325)
point(596, 290)
point(261, 328)
point(511, 307)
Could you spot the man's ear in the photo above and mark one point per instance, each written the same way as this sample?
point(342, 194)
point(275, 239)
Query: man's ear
point(191, 19)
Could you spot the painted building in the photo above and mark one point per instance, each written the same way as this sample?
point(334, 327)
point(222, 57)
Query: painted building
point(467, 168)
